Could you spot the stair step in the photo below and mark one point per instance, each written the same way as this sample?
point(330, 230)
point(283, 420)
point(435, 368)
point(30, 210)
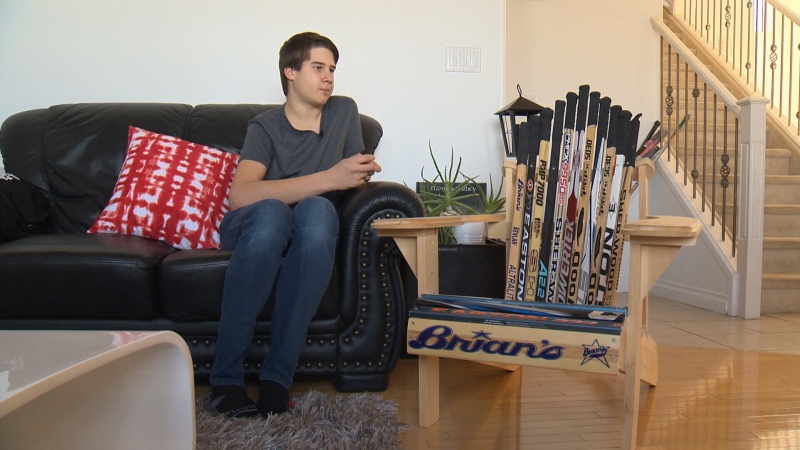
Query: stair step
point(780, 255)
point(782, 220)
point(722, 137)
point(786, 180)
point(707, 122)
point(782, 189)
point(779, 293)
point(781, 281)
point(779, 153)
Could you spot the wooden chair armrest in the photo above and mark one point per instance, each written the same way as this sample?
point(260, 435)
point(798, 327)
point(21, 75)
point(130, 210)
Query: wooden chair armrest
point(664, 226)
point(667, 230)
point(420, 223)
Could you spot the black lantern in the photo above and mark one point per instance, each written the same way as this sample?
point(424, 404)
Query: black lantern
point(511, 116)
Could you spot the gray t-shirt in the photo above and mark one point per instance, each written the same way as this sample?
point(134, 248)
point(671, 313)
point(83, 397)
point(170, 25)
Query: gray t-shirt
point(288, 153)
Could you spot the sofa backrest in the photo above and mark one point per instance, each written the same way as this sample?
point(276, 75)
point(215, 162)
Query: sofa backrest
point(74, 152)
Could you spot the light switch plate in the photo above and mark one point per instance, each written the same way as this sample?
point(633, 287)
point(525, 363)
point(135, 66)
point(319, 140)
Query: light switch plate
point(462, 59)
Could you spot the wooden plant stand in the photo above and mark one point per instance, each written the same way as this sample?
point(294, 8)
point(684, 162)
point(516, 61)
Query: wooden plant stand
point(654, 242)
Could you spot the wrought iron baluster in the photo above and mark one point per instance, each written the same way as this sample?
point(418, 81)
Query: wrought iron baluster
point(705, 141)
point(780, 85)
point(678, 110)
point(698, 17)
point(791, 72)
point(749, 30)
point(741, 37)
point(686, 129)
point(669, 101)
point(714, 166)
point(763, 58)
point(695, 173)
point(724, 171)
point(755, 54)
point(735, 185)
point(709, 35)
point(773, 58)
point(727, 30)
point(712, 14)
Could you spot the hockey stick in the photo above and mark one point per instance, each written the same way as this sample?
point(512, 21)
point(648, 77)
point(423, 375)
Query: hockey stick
point(513, 307)
point(652, 138)
point(602, 203)
point(539, 205)
point(622, 214)
point(534, 144)
point(516, 217)
point(594, 197)
point(560, 204)
point(568, 237)
point(589, 147)
point(613, 205)
point(552, 186)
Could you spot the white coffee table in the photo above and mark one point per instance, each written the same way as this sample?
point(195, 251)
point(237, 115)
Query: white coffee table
point(95, 389)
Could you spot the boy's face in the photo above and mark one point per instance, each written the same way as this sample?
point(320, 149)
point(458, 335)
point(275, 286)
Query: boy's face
point(313, 83)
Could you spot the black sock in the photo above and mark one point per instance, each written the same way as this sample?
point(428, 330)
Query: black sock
point(232, 401)
point(273, 398)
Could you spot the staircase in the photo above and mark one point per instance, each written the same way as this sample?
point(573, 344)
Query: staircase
point(781, 250)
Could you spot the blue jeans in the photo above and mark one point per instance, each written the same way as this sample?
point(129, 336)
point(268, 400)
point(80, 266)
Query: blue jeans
point(290, 249)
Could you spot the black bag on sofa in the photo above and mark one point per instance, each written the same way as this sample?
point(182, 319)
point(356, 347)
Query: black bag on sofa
point(24, 210)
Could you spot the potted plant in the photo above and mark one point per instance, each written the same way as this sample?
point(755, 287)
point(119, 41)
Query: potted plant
point(451, 192)
point(476, 270)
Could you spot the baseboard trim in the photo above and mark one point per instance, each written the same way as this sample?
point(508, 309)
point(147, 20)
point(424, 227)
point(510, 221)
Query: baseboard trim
point(692, 296)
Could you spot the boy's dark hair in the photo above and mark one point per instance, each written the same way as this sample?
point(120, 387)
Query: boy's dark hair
point(297, 49)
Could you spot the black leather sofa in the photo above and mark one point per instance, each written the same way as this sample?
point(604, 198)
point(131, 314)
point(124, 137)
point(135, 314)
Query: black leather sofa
point(68, 279)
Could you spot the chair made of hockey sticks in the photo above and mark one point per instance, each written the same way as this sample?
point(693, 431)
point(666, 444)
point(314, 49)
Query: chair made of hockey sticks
point(654, 241)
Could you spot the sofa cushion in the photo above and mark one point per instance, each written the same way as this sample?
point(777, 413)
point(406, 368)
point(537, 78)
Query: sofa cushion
point(191, 284)
point(222, 126)
point(80, 276)
point(79, 152)
point(171, 190)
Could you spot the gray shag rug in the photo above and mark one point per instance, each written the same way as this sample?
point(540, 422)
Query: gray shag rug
point(318, 421)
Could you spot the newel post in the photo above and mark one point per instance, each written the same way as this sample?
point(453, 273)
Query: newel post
point(750, 234)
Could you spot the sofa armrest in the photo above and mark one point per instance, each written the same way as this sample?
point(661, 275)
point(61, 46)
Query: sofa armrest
point(357, 209)
point(372, 304)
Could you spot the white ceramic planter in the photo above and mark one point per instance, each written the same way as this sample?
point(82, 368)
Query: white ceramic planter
point(470, 233)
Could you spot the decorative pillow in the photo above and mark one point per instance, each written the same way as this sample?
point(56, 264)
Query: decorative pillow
point(171, 190)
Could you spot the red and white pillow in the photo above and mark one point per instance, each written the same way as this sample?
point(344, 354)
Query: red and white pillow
point(171, 190)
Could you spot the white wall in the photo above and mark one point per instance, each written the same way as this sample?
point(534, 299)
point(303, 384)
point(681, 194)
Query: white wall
point(205, 51)
point(553, 47)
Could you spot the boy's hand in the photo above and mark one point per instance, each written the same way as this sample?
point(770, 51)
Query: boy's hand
point(354, 171)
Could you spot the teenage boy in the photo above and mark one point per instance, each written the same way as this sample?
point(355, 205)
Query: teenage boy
point(282, 226)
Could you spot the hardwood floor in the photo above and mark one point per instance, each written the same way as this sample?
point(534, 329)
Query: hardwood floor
point(725, 383)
